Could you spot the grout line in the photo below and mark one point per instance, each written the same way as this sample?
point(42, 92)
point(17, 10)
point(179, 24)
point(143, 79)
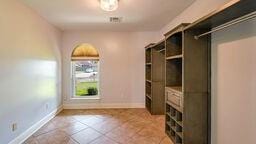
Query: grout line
point(74, 140)
point(161, 140)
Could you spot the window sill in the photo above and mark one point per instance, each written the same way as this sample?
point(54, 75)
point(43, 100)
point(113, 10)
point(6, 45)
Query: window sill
point(86, 98)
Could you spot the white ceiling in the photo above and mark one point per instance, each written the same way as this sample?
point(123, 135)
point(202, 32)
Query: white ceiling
point(138, 15)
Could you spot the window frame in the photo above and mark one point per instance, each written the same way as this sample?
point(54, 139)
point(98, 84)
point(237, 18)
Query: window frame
point(73, 82)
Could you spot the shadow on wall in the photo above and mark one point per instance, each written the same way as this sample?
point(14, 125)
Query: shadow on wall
point(233, 84)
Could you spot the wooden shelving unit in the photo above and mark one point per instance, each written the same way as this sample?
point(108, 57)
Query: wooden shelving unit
point(174, 85)
point(155, 80)
point(186, 88)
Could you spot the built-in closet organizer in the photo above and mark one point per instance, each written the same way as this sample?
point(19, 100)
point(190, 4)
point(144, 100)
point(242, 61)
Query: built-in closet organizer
point(155, 80)
point(188, 71)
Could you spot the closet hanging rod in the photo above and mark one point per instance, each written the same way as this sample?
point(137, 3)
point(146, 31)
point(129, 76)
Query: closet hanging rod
point(228, 24)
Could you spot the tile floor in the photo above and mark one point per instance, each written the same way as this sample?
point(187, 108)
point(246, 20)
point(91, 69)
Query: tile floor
point(104, 126)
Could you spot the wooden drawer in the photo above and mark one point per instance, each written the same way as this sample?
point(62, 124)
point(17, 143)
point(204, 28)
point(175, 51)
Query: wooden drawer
point(174, 97)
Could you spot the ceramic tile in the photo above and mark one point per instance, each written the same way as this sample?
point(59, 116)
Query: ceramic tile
point(92, 121)
point(118, 137)
point(74, 128)
point(46, 128)
point(53, 137)
point(82, 117)
point(106, 126)
point(103, 140)
point(143, 140)
point(149, 134)
point(86, 136)
point(166, 140)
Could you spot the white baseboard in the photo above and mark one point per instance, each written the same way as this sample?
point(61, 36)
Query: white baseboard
point(103, 106)
point(25, 135)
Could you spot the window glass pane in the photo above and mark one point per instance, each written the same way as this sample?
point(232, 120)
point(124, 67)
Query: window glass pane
point(86, 77)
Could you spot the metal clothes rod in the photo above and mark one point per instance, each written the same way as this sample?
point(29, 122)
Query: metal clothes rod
point(228, 24)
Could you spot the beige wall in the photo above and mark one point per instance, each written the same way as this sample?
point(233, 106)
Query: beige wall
point(122, 69)
point(30, 63)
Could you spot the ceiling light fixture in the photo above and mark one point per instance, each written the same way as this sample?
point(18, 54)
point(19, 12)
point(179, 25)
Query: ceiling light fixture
point(109, 5)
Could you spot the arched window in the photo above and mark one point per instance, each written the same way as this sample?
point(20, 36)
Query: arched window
point(85, 71)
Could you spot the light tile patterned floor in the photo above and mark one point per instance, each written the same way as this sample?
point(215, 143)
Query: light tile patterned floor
point(102, 126)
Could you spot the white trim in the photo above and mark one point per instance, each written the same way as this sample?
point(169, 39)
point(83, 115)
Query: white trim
point(103, 106)
point(97, 97)
point(84, 58)
point(25, 135)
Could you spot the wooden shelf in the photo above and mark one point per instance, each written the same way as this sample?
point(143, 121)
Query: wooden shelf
point(148, 71)
point(162, 50)
point(149, 81)
point(174, 45)
point(148, 96)
point(174, 72)
point(148, 64)
point(169, 123)
point(175, 106)
point(174, 57)
point(173, 128)
point(173, 118)
point(175, 88)
point(148, 104)
point(179, 134)
point(148, 55)
point(170, 135)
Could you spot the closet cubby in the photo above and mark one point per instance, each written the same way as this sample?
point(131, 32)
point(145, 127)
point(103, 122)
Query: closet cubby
point(174, 73)
point(148, 103)
point(148, 56)
point(174, 45)
point(174, 127)
point(148, 73)
point(148, 89)
point(178, 139)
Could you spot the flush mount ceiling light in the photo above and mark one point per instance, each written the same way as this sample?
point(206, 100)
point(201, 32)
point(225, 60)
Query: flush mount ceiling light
point(109, 5)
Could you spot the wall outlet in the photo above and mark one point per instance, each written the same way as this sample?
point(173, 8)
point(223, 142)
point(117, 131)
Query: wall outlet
point(14, 127)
